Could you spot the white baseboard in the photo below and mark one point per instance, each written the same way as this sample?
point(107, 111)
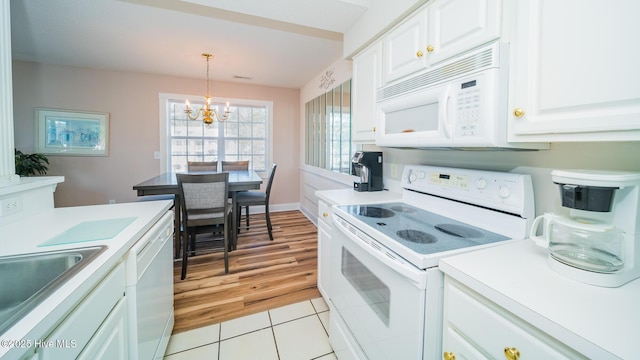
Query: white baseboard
point(273, 208)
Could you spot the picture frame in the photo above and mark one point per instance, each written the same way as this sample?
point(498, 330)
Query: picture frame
point(70, 132)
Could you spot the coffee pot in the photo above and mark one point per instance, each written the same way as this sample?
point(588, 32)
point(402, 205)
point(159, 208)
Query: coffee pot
point(597, 243)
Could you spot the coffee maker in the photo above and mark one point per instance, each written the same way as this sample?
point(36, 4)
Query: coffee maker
point(367, 165)
point(599, 242)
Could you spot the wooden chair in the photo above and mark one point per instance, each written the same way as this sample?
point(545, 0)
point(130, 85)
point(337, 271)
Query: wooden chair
point(195, 166)
point(253, 198)
point(235, 165)
point(204, 204)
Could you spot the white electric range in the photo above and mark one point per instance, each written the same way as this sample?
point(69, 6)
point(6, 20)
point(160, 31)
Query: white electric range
point(386, 288)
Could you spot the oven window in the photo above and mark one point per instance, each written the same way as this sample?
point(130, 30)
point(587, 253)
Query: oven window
point(374, 292)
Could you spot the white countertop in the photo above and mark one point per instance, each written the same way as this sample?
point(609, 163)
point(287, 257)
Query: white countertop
point(23, 237)
point(599, 322)
point(350, 196)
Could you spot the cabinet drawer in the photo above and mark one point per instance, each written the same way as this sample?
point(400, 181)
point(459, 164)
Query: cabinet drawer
point(324, 212)
point(469, 315)
point(78, 328)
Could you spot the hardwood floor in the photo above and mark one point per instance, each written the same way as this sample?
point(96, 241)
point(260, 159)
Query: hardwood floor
point(263, 274)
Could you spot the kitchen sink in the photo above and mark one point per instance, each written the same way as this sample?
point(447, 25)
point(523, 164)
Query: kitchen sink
point(26, 280)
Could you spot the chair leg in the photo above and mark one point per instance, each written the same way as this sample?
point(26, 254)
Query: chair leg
point(226, 231)
point(247, 215)
point(238, 211)
point(193, 242)
point(185, 241)
point(266, 213)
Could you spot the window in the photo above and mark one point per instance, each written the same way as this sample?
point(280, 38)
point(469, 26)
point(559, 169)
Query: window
point(243, 136)
point(328, 117)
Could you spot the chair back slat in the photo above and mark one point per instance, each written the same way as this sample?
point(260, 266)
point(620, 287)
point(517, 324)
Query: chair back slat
point(195, 166)
point(235, 165)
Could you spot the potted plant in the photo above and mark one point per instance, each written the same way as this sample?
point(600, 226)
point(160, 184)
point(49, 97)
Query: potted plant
point(30, 164)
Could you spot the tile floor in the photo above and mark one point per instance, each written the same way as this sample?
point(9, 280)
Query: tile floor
point(293, 332)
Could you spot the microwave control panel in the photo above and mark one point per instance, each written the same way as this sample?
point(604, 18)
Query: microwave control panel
point(468, 108)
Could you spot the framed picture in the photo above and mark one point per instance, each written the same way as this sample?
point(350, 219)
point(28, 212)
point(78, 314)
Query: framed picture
point(68, 132)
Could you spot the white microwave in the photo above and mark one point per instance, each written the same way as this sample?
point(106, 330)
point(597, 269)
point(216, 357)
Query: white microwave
point(459, 104)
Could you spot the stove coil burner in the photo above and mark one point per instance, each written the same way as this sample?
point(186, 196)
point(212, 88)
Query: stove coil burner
point(417, 236)
point(459, 231)
point(375, 212)
point(403, 209)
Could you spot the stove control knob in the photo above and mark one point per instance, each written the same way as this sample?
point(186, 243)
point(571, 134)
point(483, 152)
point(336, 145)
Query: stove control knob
point(481, 183)
point(413, 177)
point(421, 175)
point(505, 192)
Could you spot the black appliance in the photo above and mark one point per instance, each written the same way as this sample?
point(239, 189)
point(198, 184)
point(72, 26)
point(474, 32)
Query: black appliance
point(367, 165)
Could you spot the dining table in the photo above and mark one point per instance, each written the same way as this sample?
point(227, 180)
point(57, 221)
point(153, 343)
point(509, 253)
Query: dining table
point(167, 184)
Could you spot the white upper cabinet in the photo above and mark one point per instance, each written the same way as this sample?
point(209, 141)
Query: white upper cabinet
point(443, 29)
point(574, 71)
point(367, 68)
point(404, 48)
point(455, 26)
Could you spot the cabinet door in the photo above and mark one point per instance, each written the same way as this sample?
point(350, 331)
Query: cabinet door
point(575, 71)
point(456, 345)
point(455, 26)
point(404, 48)
point(471, 315)
point(77, 330)
point(367, 69)
point(324, 248)
point(110, 342)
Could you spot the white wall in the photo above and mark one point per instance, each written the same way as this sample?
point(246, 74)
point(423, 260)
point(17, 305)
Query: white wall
point(132, 101)
point(621, 156)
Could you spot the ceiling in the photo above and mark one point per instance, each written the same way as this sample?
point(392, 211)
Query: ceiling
point(284, 43)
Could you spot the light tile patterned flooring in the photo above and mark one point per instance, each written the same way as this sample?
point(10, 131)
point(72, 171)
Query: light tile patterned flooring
point(293, 332)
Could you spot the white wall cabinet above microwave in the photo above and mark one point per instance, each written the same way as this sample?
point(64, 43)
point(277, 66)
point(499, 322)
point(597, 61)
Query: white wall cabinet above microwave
point(574, 71)
point(443, 29)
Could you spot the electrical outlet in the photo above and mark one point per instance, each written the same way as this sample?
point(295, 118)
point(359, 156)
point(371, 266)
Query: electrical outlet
point(156, 155)
point(10, 206)
point(112, 201)
point(394, 170)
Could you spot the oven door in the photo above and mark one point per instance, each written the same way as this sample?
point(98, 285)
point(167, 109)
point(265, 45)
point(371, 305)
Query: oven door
point(381, 301)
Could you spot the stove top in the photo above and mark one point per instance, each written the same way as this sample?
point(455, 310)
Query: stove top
point(419, 230)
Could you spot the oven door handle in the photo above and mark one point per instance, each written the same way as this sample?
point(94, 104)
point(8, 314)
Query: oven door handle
point(392, 261)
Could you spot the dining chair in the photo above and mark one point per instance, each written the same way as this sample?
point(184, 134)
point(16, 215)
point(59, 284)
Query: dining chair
point(204, 204)
point(254, 198)
point(235, 165)
point(195, 166)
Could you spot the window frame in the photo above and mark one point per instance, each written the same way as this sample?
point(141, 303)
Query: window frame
point(165, 130)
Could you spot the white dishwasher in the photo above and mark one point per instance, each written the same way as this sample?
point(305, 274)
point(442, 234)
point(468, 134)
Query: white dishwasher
point(149, 291)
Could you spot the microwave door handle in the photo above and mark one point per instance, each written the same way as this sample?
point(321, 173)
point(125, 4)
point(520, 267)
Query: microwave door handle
point(443, 110)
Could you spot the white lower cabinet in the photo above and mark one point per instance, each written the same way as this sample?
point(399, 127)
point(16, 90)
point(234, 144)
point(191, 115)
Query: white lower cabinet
point(324, 247)
point(476, 328)
point(96, 328)
point(110, 341)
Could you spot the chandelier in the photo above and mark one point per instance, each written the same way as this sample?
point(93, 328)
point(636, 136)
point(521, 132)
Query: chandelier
point(206, 112)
